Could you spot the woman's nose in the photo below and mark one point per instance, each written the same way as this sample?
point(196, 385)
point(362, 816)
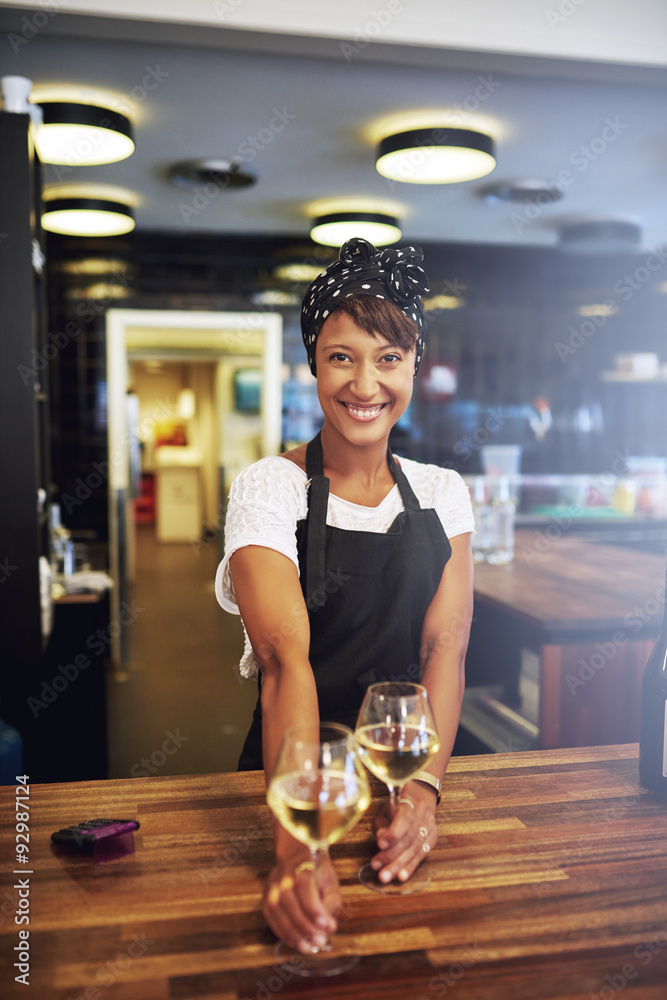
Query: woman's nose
point(364, 383)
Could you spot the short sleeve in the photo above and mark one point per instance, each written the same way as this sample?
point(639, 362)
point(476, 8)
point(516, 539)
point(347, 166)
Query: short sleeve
point(445, 491)
point(265, 502)
point(453, 504)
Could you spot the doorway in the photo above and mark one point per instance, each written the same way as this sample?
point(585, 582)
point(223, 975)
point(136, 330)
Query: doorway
point(237, 343)
point(192, 398)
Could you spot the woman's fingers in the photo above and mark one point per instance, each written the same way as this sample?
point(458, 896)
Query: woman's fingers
point(298, 909)
point(285, 918)
point(289, 913)
point(293, 914)
point(329, 889)
point(403, 866)
point(391, 831)
point(404, 842)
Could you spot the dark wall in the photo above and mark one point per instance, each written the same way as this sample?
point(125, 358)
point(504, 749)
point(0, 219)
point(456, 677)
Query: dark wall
point(521, 336)
point(518, 336)
point(24, 468)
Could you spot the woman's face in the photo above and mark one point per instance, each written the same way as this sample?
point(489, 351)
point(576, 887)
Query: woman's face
point(364, 383)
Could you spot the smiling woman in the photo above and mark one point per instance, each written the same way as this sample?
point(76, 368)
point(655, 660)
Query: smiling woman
point(350, 568)
point(362, 379)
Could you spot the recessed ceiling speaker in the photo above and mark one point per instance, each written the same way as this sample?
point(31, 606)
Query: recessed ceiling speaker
point(522, 191)
point(224, 173)
point(599, 236)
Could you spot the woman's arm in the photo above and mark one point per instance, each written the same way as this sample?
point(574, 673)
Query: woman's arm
point(268, 593)
point(269, 597)
point(444, 641)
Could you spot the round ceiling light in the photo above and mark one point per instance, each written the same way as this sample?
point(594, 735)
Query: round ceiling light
point(93, 266)
point(436, 156)
point(83, 134)
point(87, 217)
point(298, 272)
point(336, 228)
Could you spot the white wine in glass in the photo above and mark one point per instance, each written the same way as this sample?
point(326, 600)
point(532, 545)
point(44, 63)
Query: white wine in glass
point(396, 735)
point(317, 808)
point(318, 792)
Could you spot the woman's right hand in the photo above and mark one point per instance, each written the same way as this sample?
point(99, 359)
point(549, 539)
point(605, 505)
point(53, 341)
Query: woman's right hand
point(298, 907)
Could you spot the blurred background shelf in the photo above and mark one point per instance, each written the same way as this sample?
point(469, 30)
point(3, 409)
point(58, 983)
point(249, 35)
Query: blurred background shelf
point(494, 724)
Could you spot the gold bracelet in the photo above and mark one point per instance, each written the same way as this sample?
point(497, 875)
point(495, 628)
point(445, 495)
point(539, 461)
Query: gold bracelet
point(429, 779)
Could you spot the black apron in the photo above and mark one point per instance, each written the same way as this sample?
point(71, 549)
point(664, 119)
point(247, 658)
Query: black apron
point(366, 593)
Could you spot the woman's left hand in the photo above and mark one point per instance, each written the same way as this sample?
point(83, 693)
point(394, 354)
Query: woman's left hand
point(407, 836)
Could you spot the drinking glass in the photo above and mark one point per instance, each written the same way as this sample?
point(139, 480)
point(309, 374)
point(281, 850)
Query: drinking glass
point(396, 736)
point(318, 792)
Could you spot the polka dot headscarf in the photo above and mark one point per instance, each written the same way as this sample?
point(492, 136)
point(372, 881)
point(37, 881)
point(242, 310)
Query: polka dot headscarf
point(394, 275)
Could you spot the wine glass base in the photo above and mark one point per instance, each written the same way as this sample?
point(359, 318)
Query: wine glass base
point(418, 881)
point(322, 964)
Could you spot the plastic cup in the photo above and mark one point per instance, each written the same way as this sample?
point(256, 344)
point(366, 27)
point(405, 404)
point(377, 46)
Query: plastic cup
point(501, 459)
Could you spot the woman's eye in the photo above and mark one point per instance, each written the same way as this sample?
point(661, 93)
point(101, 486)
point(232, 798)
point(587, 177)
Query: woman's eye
point(338, 357)
point(392, 357)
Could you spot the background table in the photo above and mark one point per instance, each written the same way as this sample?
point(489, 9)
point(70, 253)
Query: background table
point(549, 880)
point(590, 613)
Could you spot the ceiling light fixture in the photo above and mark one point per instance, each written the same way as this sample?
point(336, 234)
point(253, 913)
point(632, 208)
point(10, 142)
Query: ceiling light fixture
point(274, 297)
point(100, 290)
point(93, 266)
point(436, 155)
point(297, 272)
point(87, 217)
point(436, 302)
point(186, 405)
point(83, 134)
point(598, 309)
point(334, 229)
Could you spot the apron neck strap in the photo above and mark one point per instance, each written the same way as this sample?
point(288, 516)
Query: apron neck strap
point(314, 457)
point(410, 501)
point(318, 501)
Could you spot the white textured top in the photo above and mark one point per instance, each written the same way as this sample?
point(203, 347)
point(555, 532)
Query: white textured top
point(268, 498)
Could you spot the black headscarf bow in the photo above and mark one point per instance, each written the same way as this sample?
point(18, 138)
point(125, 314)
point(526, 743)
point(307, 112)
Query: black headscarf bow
point(394, 275)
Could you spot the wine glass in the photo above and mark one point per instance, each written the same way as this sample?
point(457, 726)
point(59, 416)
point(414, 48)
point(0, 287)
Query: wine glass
point(318, 792)
point(396, 735)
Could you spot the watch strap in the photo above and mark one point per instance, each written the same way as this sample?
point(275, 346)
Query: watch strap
point(429, 779)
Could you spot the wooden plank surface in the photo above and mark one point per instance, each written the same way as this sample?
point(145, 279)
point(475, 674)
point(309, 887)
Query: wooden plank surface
point(549, 881)
point(566, 583)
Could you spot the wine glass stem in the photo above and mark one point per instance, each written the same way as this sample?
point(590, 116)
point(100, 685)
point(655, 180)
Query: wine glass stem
point(318, 854)
point(393, 798)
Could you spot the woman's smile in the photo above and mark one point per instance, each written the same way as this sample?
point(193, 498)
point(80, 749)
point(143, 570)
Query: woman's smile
point(364, 413)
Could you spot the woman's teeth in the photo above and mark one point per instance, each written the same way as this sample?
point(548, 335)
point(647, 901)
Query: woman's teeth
point(364, 412)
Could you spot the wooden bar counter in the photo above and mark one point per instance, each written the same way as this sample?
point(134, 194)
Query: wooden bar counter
point(549, 881)
point(590, 613)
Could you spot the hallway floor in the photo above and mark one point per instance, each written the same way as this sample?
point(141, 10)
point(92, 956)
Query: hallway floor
point(181, 707)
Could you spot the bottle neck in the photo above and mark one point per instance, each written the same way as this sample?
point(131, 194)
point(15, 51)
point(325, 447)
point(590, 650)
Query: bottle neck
point(661, 641)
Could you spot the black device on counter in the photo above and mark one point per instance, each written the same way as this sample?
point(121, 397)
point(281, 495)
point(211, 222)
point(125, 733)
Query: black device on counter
point(89, 834)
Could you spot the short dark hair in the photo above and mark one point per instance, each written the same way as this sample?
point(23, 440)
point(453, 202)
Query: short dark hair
point(378, 317)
